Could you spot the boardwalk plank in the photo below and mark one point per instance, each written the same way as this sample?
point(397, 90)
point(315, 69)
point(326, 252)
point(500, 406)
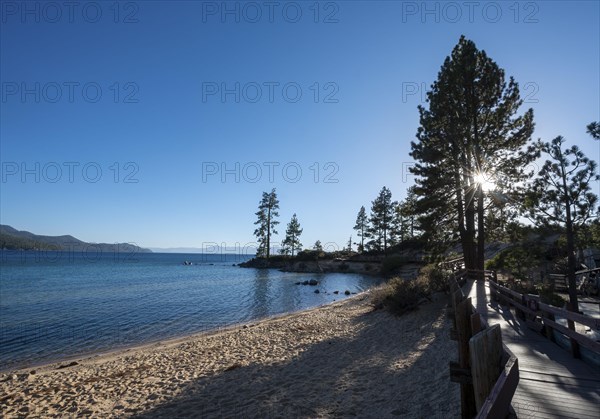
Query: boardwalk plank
point(552, 383)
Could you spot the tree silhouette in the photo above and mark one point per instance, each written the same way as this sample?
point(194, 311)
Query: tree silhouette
point(267, 214)
point(594, 130)
point(382, 214)
point(561, 195)
point(469, 132)
point(292, 234)
point(362, 228)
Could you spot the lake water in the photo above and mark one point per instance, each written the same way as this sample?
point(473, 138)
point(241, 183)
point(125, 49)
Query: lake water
point(57, 305)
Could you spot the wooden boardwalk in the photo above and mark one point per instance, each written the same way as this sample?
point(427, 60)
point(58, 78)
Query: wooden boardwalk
point(552, 383)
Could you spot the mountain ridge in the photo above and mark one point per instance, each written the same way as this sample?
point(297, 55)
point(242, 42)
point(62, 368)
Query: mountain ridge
point(13, 239)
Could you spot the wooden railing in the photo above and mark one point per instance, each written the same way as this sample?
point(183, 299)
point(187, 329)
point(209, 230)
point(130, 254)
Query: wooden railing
point(488, 372)
point(542, 318)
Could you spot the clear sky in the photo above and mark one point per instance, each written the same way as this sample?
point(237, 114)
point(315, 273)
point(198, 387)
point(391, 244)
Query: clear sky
point(147, 121)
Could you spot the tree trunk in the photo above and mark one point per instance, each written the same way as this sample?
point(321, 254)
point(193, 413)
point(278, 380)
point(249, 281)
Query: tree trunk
point(461, 216)
point(572, 263)
point(470, 251)
point(268, 233)
point(574, 306)
point(480, 234)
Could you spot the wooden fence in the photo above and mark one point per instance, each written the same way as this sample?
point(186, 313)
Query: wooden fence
point(487, 371)
point(542, 318)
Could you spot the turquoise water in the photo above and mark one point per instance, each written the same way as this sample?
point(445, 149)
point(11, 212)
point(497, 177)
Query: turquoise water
point(57, 305)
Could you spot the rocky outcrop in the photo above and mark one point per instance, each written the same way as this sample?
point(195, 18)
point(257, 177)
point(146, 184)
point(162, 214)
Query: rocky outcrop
point(405, 264)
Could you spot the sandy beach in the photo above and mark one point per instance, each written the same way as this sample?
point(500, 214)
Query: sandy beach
point(339, 360)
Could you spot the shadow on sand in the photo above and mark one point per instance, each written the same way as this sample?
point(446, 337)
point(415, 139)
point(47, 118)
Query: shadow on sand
point(391, 367)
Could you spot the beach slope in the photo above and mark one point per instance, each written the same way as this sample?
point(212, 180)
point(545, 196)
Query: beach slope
point(339, 360)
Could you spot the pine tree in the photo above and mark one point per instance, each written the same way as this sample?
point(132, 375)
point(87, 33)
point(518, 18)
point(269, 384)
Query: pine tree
point(400, 224)
point(349, 248)
point(267, 214)
point(409, 212)
point(382, 214)
point(318, 246)
point(362, 228)
point(594, 130)
point(470, 131)
point(561, 195)
point(291, 243)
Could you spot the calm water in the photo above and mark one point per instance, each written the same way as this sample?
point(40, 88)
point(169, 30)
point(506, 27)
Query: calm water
point(58, 305)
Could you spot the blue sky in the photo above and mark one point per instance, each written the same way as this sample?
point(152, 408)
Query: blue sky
point(113, 125)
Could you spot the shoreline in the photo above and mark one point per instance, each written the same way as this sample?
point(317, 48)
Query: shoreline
point(256, 367)
point(165, 341)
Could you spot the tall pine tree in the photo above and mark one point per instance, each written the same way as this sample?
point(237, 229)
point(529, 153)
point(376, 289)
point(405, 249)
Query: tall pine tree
point(470, 131)
point(382, 215)
point(362, 228)
point(562, 195)
point(267, 221)
point(291, 243)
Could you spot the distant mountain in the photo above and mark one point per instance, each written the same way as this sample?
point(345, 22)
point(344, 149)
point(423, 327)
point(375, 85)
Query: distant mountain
point(13, 239)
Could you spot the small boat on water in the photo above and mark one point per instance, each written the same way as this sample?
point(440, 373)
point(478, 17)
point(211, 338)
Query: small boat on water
point(187, 262)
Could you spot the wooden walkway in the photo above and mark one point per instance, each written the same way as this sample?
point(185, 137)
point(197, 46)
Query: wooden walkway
point(552, 383)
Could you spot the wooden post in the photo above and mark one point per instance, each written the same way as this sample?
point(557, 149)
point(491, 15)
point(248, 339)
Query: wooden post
point(475, 323)
point(457, 297)
point(548, 331)
point(464, 332)
point(486, 362)
point(574, 345)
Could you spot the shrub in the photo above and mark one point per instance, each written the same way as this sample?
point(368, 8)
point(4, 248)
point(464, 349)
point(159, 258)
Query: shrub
point(518, 260)
point(397, 295)
point(308, 255)
point(391, 264)
point(552, 298)
point(400, 296)
point(548, 296)
point(434, 278)
point(546, 293)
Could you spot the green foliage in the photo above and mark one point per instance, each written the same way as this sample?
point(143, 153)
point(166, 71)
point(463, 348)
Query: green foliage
point(309, 255)
point(400, 296)
point(518, 260)
point(318, 246)
point(397, 295)
point(594, 130)
point(391, 263)
point(470, 127)
point(547, 296)
point(434, 278)
point(291, 243)
point(362, 228)
point(382, 215)
point(562, 192)
point(10, 242)
point(266, 214)
point(405, 222)
point(562, 195)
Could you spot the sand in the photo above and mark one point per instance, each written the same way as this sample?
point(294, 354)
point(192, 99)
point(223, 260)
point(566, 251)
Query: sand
point(339, 360)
